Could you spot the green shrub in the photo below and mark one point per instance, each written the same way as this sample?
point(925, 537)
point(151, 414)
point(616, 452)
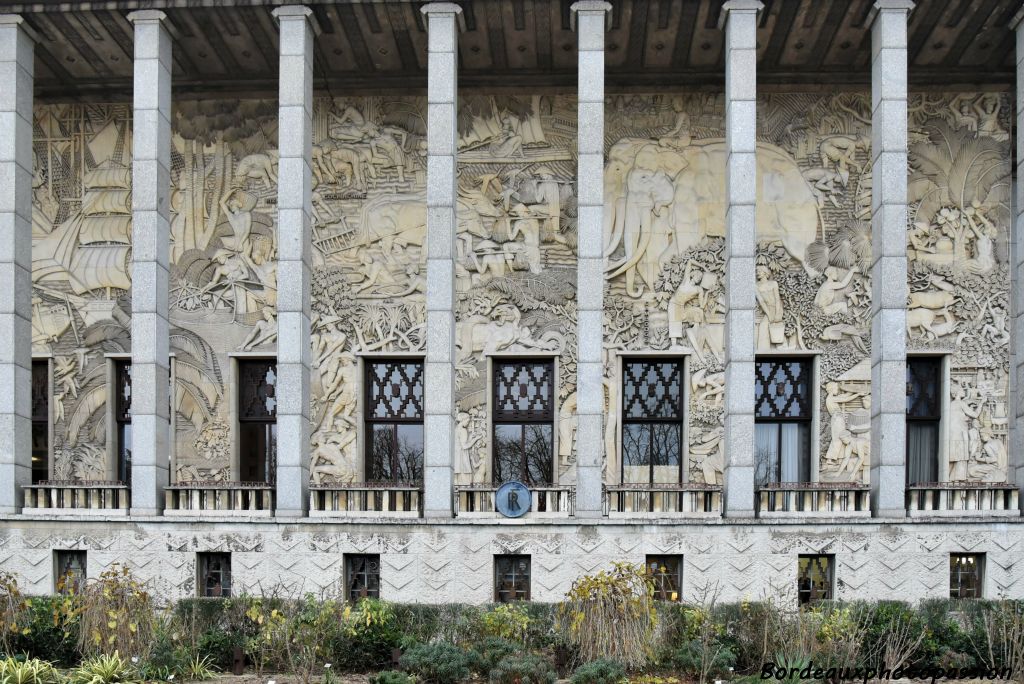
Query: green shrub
point(436, 663)
point(32, 671)
point(508, 621)
point(523, 669)
point(492, 651)
point(391, 677)
point(371, 632)
point(49, 630)
point(104, 669)
point(601, 671)
point(692, 656)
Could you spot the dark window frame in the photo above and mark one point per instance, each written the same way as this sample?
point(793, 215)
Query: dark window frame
point(653, 563)
point(518, 593)
point(204, 573)
point(524, 418)
point(809, 594)
point(679, 419)
point(249, 396)
point(123, 419)
point(360, 567)
point(924, 411)
point(805, 418)
point(62, 571)
point(958, 569)
point(42, 395)
point(370, 421)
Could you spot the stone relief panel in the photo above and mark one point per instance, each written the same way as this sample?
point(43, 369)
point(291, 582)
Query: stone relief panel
point(664, 228)
point(960, 192)
point(81, 254)
point(516, 261)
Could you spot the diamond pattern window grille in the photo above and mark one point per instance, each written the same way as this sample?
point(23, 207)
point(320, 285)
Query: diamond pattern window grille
point(783, 388)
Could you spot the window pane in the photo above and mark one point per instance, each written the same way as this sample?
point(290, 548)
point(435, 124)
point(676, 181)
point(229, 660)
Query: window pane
point(924, 386)
point(667, 440)
point(257, 451)
point(215, 574)
point(410, 453)
point(395, 389)
point(70, 571)
point(523, 452)
point(666, 572)
point(124, 452)
point(922, 452)
point(636, 453)
point(511, 578)
point(382, 446)
point(814, 580)
point(524, 390)
point(40, 451)
point(40, 421)
point(965, 575)
point(795, 452)
point(783, 388)
point(362, 576)
point(257, 386)
point(652, 389)
point(766, 453)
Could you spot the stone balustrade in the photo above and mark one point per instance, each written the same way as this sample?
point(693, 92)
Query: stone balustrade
point(963, 498)
point(814, 499)
point(77, 496)
point(684, 500)
point(552, 501)
point(219, 498)
point(362, 500)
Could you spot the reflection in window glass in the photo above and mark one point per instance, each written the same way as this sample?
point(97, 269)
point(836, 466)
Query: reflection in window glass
point(924, 416)
point(70, 571)
point(257, 416)
point(653, 417)
point(123, 419)
point(523, 421)
point(40, 421)
point(667, 574)
point(394, 421)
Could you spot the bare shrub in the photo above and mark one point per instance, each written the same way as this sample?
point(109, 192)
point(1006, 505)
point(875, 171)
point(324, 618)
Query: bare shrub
point(116, 613)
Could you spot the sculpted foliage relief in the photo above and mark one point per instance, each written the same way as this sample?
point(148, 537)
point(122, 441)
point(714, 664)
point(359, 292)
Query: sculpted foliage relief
point(516, 262)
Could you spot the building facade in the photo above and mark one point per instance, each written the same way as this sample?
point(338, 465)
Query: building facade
point(289, 303)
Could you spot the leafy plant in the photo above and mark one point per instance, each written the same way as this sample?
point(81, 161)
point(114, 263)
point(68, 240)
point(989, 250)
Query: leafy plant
point(523, 669)
point(509, 621)
point(28, 672)
point(436, 663)
point(13, 609)
point(116, 609)
point(603, 671)
point(611, 614)
point(391, 677)
point(200, 668)
point(490, 652)
point(104, 669)
point(49, 629)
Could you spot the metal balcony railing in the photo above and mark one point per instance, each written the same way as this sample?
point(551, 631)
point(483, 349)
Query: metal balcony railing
point(367, 499)
point(219, 498)
point(963, 498)
point(814, 499)
point(681, 500)
point(550, 501)
point(100, 497)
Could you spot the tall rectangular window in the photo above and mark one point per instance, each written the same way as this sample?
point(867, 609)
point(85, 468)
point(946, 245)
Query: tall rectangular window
point(814, 578)
point(924, 416)
point(394, 421)
point(69, 571)
point(257, 417)
point(123, 419)
point(40, 421)
point(667, 575)
point(511, 578)
point(653, 401)
point(523, 419)
point(782, 414)
point(966, 575)
point(362, 576)
point(214, 574)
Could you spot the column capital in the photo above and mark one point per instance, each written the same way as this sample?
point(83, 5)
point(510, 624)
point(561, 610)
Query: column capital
point(18, 21)
point(441, 8)
point(149, 16)
point(590, 7)
point(894, 5)
point(296, 13)
point(738, 7)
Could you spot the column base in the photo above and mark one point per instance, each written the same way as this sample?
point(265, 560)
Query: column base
point(890, 513)
point(290, 513)
point(145, 511)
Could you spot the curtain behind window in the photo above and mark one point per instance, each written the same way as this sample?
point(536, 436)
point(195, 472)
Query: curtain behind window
point(922, 452)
